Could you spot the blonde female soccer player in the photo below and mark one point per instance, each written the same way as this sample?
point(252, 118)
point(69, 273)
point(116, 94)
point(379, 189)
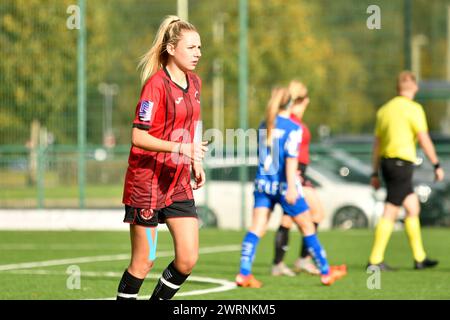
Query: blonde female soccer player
point(157, 184)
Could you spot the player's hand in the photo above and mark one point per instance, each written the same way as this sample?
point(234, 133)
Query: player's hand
point(375, 182)
point(292, 195)
point(195, 151)
point(199, 175)
point(439, 174)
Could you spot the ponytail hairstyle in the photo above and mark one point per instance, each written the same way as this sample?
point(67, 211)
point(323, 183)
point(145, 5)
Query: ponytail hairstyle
point(280, 99)
point(297, 90)
point(169, 32)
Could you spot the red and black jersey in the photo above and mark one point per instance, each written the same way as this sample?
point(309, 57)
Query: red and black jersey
point(155, 180)
point(303, 154)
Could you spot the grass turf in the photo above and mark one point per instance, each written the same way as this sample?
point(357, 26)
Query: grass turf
point(100, 279)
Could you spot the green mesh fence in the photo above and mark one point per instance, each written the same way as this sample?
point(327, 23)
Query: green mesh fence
point(350, 71)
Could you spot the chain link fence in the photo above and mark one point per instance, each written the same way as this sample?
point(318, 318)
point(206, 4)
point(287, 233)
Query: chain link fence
point(350, 70)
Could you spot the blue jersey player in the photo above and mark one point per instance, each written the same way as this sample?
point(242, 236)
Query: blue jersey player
point(277, 181)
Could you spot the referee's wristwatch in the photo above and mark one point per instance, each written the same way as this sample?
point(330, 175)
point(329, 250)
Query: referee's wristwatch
point(437, 165)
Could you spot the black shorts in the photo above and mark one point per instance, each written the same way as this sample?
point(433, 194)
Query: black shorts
point(151, 218)
point(305, 181)
point(397, 174)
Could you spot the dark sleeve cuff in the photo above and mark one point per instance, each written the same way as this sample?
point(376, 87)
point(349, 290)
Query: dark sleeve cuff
point(141, 126)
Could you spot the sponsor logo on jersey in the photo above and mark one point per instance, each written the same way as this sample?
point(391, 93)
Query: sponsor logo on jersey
point(178, 101)
point(145, 111)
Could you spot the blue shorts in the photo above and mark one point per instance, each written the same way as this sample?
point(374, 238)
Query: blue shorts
point(264, 200)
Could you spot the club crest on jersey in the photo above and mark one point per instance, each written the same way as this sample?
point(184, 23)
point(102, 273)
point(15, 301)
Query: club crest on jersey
point(145, 111)
point(146, 214)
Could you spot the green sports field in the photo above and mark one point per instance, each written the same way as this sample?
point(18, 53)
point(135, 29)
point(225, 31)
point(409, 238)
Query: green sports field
point(36, 265)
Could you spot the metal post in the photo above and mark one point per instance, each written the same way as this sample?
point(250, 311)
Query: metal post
point(108, 91)
point(40, 174)
point(218, 85)
point(41, 165)
point(448, 43)
point(417, 42)
point(446, 126)
point(243, 98)
point(81, 56)
point(407, 33)
point(183, 9)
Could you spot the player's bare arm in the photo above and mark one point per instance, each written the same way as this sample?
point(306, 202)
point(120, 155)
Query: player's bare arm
point(143, 140)
point(429, 150)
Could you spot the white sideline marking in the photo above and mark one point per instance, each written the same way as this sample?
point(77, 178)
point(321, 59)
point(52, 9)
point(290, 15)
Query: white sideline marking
point(117, 257)
point(225, 285)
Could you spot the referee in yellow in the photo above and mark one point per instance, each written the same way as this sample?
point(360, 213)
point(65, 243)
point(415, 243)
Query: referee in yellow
point(400, 123)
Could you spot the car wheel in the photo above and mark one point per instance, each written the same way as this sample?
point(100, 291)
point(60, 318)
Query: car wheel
point(207, 217)
point(350, 218)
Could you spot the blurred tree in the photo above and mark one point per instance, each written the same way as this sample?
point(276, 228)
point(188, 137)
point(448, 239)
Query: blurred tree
point(349, 69)
point(38, 67)
point(286, 41)
point(131, 28)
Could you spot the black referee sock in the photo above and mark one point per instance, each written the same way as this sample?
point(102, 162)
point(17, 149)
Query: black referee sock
point(169, 283)
point(281, 244)
point(129, 287)
point(304, 249)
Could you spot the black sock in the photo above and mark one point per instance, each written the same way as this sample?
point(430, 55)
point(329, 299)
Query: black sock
point(281, 244)
point(303, 249)
point(128, 287)
point(169, 283)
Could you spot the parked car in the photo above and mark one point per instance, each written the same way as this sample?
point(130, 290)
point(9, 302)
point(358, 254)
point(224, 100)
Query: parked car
point(342, 181)
point(347, 205)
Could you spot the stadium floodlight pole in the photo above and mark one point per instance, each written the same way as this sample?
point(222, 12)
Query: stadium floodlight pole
point(407, 33)
point(183, 9)
point(243, 99)
point(81, 101)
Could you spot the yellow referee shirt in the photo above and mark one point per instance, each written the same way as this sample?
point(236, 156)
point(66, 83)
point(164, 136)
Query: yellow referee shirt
point(398, 123)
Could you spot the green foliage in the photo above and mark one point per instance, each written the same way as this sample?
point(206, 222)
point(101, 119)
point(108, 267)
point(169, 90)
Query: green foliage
point(349, 69)
point(39, 67)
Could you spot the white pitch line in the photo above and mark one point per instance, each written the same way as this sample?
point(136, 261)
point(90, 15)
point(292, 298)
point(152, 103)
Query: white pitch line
point(61, 262)
point(31, 246)
point(117, 257)
point(225, 285)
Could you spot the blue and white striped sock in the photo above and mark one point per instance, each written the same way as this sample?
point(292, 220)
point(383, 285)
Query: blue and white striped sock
point(249, 245)
point(317, 252)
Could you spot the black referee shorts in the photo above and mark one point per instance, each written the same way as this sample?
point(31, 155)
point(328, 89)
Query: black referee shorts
point(397, 175)
point(151, 218)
